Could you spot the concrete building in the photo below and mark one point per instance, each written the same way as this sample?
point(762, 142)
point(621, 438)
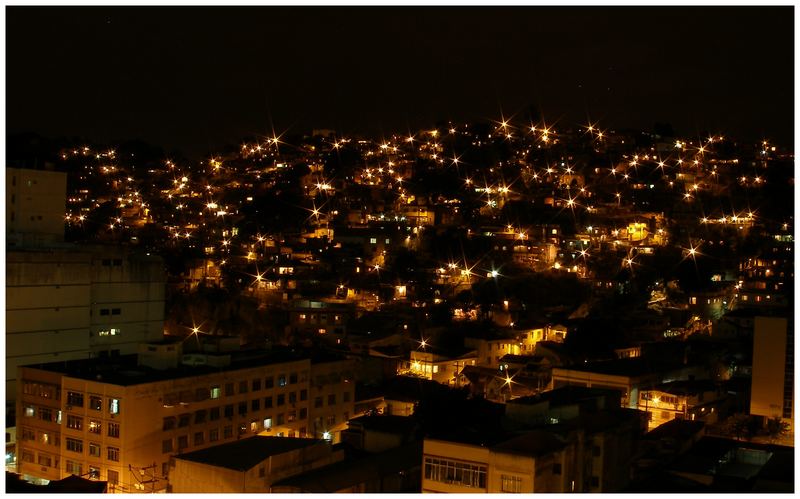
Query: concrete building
point(772, 393)
point(248, 465)
point(121, 419)
point(35, 207)
point(694, 400)
point(78, 302)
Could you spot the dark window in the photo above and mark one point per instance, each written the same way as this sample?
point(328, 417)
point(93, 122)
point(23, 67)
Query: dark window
point(104, 311)
point(116, 311)
point(200, 416)
point(317, 402)
point(596, 450)
point(292, 397)
point(75, 399)
point(106, 262)
point(332, 399)
point(243, 387)
point(213, 414)
point(346, 396)
point(303, 413)
point(166, 445)
point(199, 438)
point(227, 432)
point(169, 423)
point(228, 389)
point(117, 262)
point(303, 394)
point(229, 411)
point(183, 442)
point(113, 430)
point(95, 403)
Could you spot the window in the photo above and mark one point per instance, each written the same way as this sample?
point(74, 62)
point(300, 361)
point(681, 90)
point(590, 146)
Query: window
point(30, 411)
point(254, 426)
point(282, 380)
point(256, 385)
point(255, 405)
point(74, 468)
point(74, 422)
point(200, 416)
point(95, 426)
point(75, 399)
point(94, 449)
point(166, 445)
point(213, 434)
point(331, 421)
point(292, 397)
point(104, 311)
point(116, 311)
point(215, 392)
point(373, 240)
point(113, 477)
point(267, 423)
point(267, 402)
point(113, 430)
point(269, 382)
point(455, 472)
point(332, 399)
point(169, 423)
point(228, 431)
point(183, 442)
point(242, 429)
point(27, 456)
point(184, 420)
point(45, 414)
point(281, 399)
point(112, 454)
point(292, 378)
point(228, 389)
point(511, 484)
point(74, 445)
point(213, 414)
point(165, 470)
point(199, 438)
point(45, 460)
point(242, 408)
point(28, 434)
point(113, 406)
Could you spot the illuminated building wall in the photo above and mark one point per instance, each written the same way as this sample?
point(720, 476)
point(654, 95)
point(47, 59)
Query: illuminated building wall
point(772, 393)
point(35, 206)
point(123, 426)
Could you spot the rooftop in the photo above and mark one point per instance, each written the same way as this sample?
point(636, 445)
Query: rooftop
point(124, 371)
point(244, 454)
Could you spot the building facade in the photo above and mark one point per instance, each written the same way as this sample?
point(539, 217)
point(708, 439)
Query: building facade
point(120, 421)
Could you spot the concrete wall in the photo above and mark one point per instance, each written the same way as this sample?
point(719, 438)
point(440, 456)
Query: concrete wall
point(769, 366)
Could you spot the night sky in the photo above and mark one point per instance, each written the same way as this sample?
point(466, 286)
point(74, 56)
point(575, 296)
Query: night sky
point(197, 78)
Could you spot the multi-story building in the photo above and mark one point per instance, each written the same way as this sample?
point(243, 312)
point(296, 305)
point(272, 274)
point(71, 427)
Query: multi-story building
point(79, 302)
point(683, 399)
point(120, 419)
point(35, 206)
point(772, 393)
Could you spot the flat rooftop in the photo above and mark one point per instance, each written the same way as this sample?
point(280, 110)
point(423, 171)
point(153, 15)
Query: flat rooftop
point(124, 370)
point(244, 454)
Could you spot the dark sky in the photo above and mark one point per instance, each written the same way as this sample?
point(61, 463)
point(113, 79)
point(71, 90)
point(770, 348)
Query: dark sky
point(195, 78)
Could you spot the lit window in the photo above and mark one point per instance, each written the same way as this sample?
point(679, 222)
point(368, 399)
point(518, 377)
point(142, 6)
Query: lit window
point(113, 406)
